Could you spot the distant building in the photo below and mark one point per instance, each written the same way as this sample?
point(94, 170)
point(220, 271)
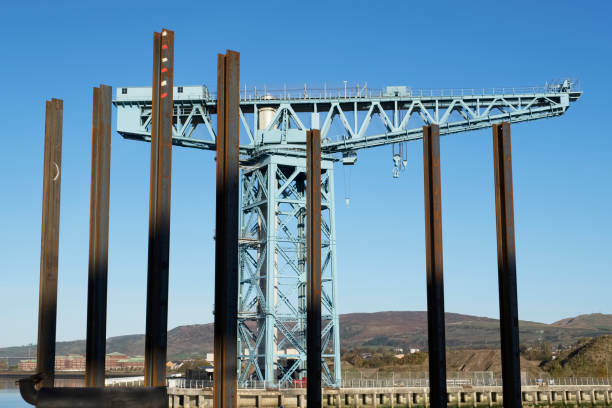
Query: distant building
point(200, 373)
point(76, 362)
point(414, 350)
point(71, 362)
point(132, 363)
point(27, 365)
point(112, 361)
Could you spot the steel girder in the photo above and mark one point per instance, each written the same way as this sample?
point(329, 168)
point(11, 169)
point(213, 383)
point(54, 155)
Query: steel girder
point(348, 123)
point(272, 292)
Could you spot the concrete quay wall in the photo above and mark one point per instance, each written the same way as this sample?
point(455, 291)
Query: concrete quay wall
point(411, 397)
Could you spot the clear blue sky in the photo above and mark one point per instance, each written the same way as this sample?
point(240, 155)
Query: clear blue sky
point(562, 166)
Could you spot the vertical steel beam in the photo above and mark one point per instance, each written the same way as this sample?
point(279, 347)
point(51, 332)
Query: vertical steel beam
point(506, 265)
point(435, 277)
point(334, 276)
point(226, 246)
point(159, 210)
point(98, 237)
point(313, 242)
point(269, 269)
point(47, 301)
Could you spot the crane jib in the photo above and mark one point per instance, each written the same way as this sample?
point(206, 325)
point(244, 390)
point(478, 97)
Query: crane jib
point(348, 123)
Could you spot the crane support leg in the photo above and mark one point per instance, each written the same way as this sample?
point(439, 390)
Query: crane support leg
point(506, 265)
point(313, 239)
point(47, 306)
point(435, 278)
point(273, 273)
point(226, 247)
point(98, 237)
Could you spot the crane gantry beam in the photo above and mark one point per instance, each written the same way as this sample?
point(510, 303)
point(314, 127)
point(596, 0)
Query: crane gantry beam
point(349, 121)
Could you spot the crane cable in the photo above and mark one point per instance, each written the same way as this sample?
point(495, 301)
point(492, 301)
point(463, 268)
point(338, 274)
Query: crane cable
point(400, 158)
point(347, 184)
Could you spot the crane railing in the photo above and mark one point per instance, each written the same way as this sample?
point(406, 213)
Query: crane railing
point(363, 91)
point(369, 93)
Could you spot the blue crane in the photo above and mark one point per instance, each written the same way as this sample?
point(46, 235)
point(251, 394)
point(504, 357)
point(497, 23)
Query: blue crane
point(272, 243)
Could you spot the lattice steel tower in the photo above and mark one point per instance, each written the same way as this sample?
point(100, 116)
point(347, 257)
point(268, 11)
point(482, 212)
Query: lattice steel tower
point(271, 304)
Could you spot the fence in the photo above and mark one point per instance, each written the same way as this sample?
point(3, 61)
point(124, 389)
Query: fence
point(362, 91)
point(475, 381)
point(367, 93)
point(472, 382)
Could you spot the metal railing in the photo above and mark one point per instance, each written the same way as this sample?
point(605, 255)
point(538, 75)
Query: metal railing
point(189, 383)
point(472, 382)
point(256, 385)
point(362, 92)
point(358, 91)
point(401, 382)
point(392, 381)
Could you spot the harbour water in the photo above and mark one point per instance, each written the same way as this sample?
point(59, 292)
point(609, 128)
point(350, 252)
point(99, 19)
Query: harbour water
point(9, 393)
point(10, 398)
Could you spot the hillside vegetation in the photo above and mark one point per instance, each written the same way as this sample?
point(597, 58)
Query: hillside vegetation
point(409, 330)
point(457, 361)
point(371, 331)
point(590, 358)
point(594, 321)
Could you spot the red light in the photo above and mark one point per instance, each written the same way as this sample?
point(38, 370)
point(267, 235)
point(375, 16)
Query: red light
point(164, 95)
point(164, 69)
point(164, 47)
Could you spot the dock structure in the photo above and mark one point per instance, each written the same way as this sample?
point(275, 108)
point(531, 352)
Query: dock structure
point(409, 397)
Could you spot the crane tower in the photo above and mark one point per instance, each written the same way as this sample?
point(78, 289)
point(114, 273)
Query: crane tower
point(272, 252)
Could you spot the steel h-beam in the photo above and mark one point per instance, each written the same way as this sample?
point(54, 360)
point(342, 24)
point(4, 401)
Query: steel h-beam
point(159, 210)
point(47, 304)
point(313, 248)
point(435, 279)
point(506, 265)
point(98, 237)
point(226, 246)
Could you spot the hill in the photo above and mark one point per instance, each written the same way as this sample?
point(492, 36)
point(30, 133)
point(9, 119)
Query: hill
point(590, 358)
point(595, 321)
point(183, 342)
point(409, 330)
point(363, 330)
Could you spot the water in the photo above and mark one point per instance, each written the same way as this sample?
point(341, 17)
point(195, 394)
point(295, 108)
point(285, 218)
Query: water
point(12, 399)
